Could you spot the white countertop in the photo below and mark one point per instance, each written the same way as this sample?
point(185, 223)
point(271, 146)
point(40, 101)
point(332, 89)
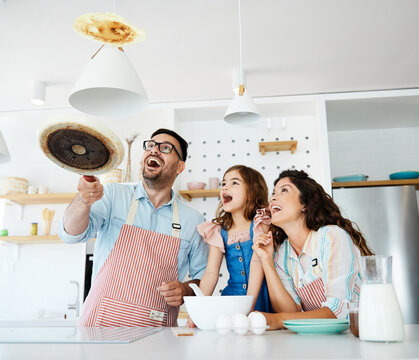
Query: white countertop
point(282, 344)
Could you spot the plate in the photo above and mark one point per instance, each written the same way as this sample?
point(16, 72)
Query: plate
point(317, 326)
point(358, 177)
point(315, 321)
point(404, 175)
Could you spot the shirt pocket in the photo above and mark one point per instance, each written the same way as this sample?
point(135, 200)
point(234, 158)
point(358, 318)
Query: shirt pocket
point(114, 230)
point(311, 276)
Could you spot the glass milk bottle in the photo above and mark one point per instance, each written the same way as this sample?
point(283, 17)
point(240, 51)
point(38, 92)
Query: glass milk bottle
point(380, 318)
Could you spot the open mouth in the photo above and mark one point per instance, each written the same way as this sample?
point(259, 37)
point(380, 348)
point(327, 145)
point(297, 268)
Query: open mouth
point(275, 209)
point(153, 162)
point(226, 198)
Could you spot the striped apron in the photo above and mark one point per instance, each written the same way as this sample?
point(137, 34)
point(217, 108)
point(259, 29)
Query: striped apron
point(312, 295)
point(124, 292)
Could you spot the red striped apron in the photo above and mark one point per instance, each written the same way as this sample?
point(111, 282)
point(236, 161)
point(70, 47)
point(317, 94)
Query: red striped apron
point(124, 292)
point(312, 295)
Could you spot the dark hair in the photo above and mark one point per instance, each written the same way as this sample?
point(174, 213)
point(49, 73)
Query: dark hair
point(182, 141)
point(319, 209)
point(256, 196)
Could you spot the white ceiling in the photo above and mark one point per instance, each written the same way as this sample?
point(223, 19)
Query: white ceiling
point(289, 47)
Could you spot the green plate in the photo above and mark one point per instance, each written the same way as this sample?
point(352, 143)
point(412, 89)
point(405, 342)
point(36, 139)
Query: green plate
point(317, 326)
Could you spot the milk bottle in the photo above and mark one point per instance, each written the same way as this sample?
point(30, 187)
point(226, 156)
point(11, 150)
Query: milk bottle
point(380, 318)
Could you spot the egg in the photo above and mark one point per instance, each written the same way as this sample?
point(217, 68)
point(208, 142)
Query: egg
point(240, 324)
point(257, 323)
point(224, 324)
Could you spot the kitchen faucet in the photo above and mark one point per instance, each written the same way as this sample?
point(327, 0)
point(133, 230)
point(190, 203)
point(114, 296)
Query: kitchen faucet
point(76, 305)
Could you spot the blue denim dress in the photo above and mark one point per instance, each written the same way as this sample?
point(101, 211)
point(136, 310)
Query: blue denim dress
point(238, 258)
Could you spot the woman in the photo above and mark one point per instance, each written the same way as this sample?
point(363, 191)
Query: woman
point(315, 269)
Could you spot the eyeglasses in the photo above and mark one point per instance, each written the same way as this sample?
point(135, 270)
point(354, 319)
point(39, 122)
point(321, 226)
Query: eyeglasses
point(165, 147)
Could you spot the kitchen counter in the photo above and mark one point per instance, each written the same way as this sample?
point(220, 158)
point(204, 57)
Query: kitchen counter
point(282, 344)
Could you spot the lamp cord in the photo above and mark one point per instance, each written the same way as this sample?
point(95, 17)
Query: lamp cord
point(240, 35)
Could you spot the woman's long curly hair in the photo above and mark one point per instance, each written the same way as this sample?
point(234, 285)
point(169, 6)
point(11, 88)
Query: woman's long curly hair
point(319, 210)
point(256, 196)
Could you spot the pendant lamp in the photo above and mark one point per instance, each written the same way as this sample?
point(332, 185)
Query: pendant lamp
point(4, 152)
point(109, 86)
point(242, 110)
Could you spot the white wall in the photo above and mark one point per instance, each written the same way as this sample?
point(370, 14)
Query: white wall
point(376, 153)
point(35, 277)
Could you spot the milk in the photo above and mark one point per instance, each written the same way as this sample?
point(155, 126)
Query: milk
point(380, 318)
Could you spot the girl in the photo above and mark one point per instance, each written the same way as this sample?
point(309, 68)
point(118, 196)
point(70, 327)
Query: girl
point(240, 217)
point(316, 268)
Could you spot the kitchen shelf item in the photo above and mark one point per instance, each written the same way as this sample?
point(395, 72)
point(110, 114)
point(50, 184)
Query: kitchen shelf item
point(348, 178)
point(195, 185)
point(11, 185)
point(189, 194)
point(278, 146)
point(404, 175)
point(336, 185)
point(33, 199)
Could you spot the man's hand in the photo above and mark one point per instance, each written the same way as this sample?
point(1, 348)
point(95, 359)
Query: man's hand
point(90, 191)
point(173, 292)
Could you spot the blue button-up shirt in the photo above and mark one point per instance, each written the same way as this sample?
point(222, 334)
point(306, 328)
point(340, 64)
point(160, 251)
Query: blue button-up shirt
point(109, 214)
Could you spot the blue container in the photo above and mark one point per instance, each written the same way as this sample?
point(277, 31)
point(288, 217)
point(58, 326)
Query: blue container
point(349, 178)
point(404, 175)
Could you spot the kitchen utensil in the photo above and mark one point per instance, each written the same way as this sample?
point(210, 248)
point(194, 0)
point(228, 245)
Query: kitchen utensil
point(80, 144)
point(47, 216)
point(404, 175)
point(213, 182)
point(348, 178)
point(196, 289)
point(195, 185)
point(380, 318)
point(205, 310)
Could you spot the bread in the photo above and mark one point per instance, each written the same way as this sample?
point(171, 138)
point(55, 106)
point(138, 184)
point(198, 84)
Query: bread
point(108, 28)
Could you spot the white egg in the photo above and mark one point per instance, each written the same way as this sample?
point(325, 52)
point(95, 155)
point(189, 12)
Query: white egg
point(257, 323)
point(240, 324)
point(224, 324)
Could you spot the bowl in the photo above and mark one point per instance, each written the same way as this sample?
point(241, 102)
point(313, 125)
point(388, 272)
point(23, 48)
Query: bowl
point(205, 310)
point(195, 185)
point(404, 175)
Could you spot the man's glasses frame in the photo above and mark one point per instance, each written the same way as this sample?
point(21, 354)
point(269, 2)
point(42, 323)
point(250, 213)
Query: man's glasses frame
point(165, 147)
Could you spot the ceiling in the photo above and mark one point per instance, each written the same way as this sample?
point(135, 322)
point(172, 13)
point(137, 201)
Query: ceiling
point(289, 47)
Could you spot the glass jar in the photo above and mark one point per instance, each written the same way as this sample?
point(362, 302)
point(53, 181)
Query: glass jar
point(34, 229)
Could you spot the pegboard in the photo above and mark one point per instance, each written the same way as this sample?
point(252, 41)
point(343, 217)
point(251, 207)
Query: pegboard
point(214, 146)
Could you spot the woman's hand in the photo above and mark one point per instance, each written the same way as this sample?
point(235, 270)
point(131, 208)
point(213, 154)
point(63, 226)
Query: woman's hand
point(190, 323)
point(263, 246)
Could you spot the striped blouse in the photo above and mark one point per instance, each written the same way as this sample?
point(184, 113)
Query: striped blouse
point(329, 254)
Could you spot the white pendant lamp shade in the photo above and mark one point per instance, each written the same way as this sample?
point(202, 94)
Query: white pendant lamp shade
point(109, 86)
point(4, 152)
point(242, 110)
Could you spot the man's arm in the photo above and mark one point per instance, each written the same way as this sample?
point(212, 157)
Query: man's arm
point(76, 215)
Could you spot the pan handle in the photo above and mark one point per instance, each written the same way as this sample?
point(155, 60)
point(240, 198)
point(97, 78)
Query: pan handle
point(89, 178)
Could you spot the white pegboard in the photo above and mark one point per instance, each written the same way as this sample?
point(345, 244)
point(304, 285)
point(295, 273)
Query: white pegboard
point(214, 146)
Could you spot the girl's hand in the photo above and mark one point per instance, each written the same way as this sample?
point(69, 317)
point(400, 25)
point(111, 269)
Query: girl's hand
point(190, 323)
point(263, 246)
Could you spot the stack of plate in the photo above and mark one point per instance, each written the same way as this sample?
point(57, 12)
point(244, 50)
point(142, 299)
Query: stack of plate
point(317, 326)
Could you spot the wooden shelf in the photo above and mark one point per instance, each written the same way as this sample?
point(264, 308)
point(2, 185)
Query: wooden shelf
point(337, 185)
point(39, 239)
point(49, 198)
point(278, 146)
point(189, 194)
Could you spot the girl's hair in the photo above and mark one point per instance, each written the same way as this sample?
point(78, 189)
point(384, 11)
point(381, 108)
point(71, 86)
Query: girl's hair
point(319, 210)
point(256, 196)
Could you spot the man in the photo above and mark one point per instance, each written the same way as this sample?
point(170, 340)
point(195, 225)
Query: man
point(146, 241)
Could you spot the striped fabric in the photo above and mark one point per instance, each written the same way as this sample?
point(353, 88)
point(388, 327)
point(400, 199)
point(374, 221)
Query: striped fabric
point(125, 290)
point(329, 261)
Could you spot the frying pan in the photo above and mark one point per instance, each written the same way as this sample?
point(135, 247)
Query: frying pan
point(81, 145)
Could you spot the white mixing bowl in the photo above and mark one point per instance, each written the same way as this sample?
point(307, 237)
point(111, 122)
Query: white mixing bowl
point(205, 310)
